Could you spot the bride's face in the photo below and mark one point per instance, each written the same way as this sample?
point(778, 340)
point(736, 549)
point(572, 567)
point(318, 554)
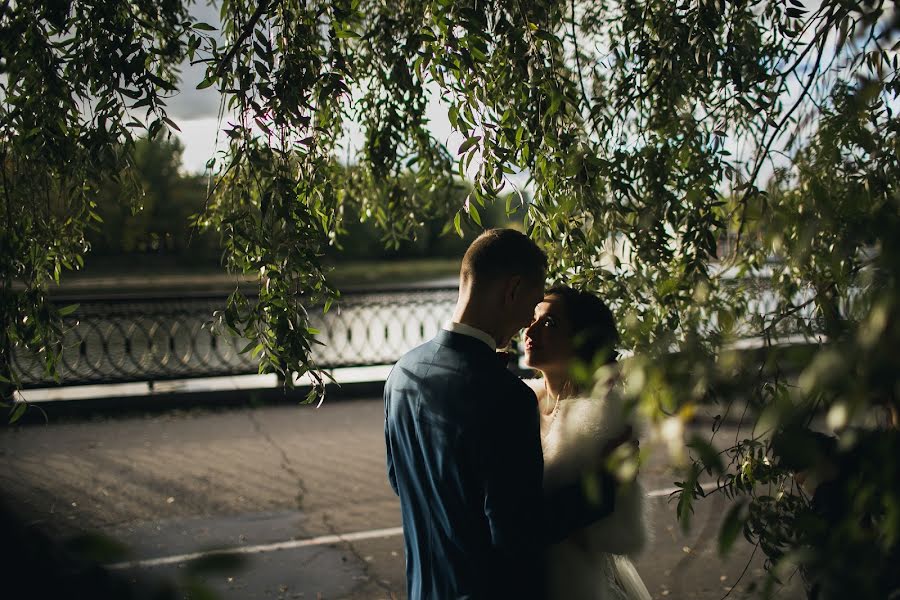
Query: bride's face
point(548, 340)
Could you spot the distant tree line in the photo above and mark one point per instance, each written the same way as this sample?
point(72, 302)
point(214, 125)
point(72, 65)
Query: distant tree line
point(148, 212)
point(153, 211)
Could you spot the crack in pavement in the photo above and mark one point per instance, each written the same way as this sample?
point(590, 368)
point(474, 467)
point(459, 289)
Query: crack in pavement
point(366, 565)
point(309, 560)
point(285, 459)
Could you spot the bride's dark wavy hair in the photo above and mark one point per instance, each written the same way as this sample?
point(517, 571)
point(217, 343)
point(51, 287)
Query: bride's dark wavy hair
point(593, 324)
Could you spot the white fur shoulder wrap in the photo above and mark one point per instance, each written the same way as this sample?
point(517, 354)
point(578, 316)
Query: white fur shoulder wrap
point(572, 446)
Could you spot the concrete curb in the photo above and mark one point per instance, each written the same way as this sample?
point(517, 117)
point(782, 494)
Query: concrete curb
point(40, 413)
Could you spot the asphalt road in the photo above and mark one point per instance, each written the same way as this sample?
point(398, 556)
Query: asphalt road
point(300, 491)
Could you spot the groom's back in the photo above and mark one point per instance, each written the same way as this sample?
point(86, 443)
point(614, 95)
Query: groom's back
point(443, 404)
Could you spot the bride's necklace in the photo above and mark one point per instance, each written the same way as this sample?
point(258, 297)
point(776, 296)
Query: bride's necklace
point(552, 414)
point(547, 419)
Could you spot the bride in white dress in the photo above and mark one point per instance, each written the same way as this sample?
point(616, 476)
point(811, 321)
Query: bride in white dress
point(594, 563)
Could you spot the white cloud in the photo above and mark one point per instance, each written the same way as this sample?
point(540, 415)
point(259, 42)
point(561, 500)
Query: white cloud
point(199, 139)
point(189, 102)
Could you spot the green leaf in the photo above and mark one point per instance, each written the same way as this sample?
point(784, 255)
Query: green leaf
point(667, 286)
point(342, 33)
point(469, 143)
point(171, 124)
point(473, 212)
point(684, 508)
point(160, 82)
point(453, 116)
point(725, 320)
point(479, 55)
point(544, 35)
point(17, 412)
point(133, 94)
point(734, 521)
point(200, 26)
point(706, 453)
point(68, 310)
point(555, 102)
point(574, 164)
point(311, 395)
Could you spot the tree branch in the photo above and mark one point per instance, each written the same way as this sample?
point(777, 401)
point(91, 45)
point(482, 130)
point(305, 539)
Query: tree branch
point(245, 33)
point(767, 148)
point(584, 95)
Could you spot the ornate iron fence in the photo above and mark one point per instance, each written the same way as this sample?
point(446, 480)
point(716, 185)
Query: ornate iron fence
point(140, 338)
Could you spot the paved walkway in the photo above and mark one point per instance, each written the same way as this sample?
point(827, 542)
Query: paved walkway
point(301, 490)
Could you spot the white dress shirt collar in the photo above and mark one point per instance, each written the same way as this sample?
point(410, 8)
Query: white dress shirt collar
point(463, 329)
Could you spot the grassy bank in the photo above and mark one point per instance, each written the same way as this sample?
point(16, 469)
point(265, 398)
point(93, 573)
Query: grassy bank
point(390, 272)
point(148, 275)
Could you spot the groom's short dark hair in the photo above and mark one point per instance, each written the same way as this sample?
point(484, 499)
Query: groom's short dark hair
point(502, 252)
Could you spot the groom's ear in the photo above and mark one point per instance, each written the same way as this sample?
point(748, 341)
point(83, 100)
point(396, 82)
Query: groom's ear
point(512, 289)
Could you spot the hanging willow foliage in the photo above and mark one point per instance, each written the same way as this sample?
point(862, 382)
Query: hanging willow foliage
point(718, 170)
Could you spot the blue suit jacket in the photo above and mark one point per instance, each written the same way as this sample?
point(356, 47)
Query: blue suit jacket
point(464, 455)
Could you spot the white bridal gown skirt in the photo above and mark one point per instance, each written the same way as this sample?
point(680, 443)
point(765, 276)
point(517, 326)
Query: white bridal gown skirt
point(577, 575)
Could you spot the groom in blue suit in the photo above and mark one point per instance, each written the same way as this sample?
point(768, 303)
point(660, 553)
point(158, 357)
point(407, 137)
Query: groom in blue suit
point(463, 442)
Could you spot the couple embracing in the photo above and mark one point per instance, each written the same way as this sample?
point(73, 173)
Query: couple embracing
point(502, 485)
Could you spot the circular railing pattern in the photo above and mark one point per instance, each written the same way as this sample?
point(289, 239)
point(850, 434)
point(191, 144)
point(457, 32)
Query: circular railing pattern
point(117, 340)
point(377, 328)
point(127, 339)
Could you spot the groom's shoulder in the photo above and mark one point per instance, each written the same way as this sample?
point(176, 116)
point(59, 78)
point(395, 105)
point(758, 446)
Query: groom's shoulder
point(414, 353)
point(420, 353)
point(409, 363)
point(444, 350)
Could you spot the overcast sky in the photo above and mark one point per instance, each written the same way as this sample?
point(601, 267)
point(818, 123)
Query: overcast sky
point(195, 112)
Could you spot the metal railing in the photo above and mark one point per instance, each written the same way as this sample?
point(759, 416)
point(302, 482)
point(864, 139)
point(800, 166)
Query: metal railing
point(141, 338)
point(136, 338)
